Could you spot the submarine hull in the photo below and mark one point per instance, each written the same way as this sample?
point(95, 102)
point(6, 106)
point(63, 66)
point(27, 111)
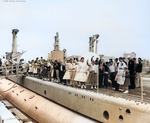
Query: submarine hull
point(103, 108)
point(39, 108)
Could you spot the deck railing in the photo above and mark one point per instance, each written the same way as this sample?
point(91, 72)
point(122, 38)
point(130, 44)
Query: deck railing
point(10, 70)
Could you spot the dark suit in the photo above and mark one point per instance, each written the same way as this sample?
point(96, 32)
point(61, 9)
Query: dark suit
point(106, 75)
point(131, 68)
point(139, 67)
point(101, 76)
point(62, 70)
point(55, 65)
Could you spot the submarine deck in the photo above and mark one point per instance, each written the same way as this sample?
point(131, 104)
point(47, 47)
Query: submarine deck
point(134, 94)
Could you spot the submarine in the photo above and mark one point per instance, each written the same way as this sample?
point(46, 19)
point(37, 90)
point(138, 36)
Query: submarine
point(98, 107)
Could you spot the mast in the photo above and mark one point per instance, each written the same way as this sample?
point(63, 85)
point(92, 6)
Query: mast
point(14, 43)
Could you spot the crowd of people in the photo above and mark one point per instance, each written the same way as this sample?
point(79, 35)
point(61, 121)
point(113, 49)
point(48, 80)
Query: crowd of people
point(97, 73)
point(7, 66)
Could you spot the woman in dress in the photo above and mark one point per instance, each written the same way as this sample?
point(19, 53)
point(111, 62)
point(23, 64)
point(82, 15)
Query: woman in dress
point(70, 72)
point(81, 74)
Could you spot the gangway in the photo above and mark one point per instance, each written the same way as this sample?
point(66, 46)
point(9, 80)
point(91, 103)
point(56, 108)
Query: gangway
point(11, 70)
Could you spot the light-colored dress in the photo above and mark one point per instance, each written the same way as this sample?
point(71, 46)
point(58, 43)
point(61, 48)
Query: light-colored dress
point(81, 74)
point(30, 68)
point(70, 71)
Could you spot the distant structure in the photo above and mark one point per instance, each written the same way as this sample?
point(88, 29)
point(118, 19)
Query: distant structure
point(56, 54)
point(93, 43)
point(106, 58)
point(132, 55)
point(14, 55)
point(92, 47)
point(146, 63)
point(56, 44)
point(14, 43)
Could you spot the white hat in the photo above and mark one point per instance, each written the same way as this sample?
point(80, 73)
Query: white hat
point(128, 56)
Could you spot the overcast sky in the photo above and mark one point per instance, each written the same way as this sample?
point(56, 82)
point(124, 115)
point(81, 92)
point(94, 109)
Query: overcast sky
point(123, 26)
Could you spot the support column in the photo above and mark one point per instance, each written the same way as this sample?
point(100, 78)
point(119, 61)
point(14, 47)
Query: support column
point(14, 44)
point(56, 45)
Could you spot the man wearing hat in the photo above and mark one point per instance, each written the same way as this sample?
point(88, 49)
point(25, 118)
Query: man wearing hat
point(138, 73)
point(131, 71)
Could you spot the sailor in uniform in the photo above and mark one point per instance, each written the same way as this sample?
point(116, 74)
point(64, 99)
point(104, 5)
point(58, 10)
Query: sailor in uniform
point(81, 74)
point(120, 75)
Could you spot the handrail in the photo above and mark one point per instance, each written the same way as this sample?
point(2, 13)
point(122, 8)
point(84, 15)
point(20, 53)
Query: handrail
point(4, 69)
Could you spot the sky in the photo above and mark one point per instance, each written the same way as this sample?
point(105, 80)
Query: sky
point(123, 26)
